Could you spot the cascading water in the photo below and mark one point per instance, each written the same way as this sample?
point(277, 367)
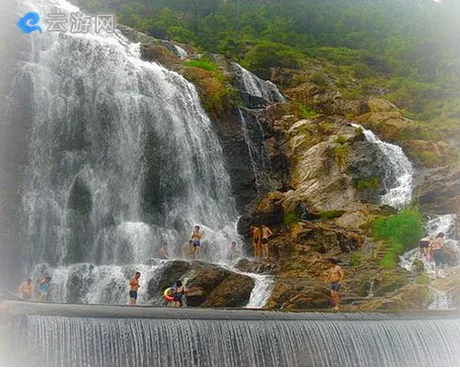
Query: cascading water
point(122, 159)
point(441, 300)
point(254, 86)
point(218, 338)
point(399, 171)
point(181, 52)
point(256, 150)
point(445, 224)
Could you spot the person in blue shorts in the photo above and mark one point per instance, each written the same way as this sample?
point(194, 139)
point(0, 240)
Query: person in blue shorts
point(43, 288)
point(334, 278)
point(196, 240)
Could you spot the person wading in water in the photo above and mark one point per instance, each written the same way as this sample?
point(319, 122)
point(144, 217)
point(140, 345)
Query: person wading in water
point(43, 289)
point(196, 240)
point(334, 278)
point(256, 241)
point(25, 290)
point(133, 288)
point(438, 254)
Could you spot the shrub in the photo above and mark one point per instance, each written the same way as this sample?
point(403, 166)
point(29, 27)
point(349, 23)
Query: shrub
point(306, 112)
point(356, 260)
point(389, 261)
point(202, 64)
point(267, 55)
point(370, 183)
point(341, 140)
point(290, 218)
point(401, 231)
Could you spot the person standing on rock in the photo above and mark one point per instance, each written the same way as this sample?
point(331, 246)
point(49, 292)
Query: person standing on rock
point(256, 238)
point(196, 240)
point(266, 233)
point(134, 286)
point(424, 245)
point(438, 254)
point(25, 290)
point(334, 278)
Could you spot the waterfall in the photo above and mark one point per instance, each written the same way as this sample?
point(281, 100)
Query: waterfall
point(256, 87)
point(122, 159)
point(253, 135)
point(399, 171)
point(264, 285)
point(181, 52)
point(441, 300)
point(313, 339)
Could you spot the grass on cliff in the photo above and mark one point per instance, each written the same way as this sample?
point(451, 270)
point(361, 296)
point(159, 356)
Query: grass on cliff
point(399, 233)
point(203, 64)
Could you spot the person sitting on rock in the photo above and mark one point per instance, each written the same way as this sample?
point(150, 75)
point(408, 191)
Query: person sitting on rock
point(25, 290)
point(178, 291)
point(334, 278)
point(266, 233)
point(256, 238)
point(438, 254)
point(424, 245)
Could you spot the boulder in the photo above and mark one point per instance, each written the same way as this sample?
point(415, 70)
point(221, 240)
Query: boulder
point(170, 273)
point(296, 294)
point(221, 287)
point(438, 189)
point(409, 297)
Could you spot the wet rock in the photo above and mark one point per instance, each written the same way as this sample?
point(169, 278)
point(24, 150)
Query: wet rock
point(222, 288)
point(438, 189)
point(255, 266)
point(410, 297)
point(299, 294)
point(170, 273)
point(79, 282)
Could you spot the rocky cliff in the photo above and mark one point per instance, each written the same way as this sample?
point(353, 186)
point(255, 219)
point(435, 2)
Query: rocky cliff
point(298, 165)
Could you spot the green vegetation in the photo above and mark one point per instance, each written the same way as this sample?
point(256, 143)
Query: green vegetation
point(329, 215)
point(341, 152)
point(356, 260)
point(399, 232)
point(306, 112)
point(370, 183)
point(408, 47)
point(203, 64)
point(267, 55)
point(290, 219)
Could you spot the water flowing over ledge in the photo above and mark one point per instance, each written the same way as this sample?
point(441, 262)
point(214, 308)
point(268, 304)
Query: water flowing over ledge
point(191, 337)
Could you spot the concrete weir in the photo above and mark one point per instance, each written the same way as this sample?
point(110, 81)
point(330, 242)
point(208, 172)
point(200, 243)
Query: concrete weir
point(36, 334)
